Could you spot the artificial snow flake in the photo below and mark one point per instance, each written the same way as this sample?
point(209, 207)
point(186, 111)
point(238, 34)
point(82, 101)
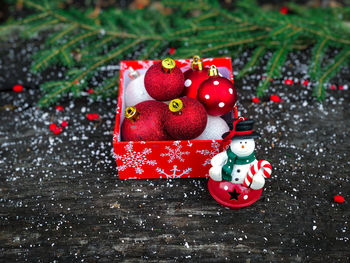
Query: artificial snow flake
point(175, 152)
point(174, 171)
point(210, 153)
point(133, 159)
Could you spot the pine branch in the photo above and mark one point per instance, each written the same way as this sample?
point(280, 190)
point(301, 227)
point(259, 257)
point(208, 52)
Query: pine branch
point(330, 71)
point(108, 88)
point(83, 43)
point(273, 68)
point(235, 43)
point(76, 82)
point(318, 53)
point(258, 53)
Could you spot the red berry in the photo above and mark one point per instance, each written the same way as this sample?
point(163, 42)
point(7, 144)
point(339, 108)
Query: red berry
point(57, 131)
point(90, 91)
point(92, 116)
point(52, 126)
point(341, 87)
point(17, 88)
point(95, 116)
point(275, 98)
point(172, 51)
point(64, 124)
point(338, 199)
point(333, 87)
point(284, 10)
point(305, 82)
point(59, 108)
point(255, 100)
point(288, 82)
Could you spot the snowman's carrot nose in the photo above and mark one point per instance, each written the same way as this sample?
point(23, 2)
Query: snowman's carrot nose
point(242, 146)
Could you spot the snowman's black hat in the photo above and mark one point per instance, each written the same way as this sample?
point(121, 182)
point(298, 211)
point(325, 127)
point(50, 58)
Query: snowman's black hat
point(243, 130)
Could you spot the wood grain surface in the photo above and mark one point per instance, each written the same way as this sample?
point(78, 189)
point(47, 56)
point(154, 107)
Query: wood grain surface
point(61, 200)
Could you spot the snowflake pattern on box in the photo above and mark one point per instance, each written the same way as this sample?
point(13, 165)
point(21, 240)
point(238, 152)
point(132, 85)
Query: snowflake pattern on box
point(175, 152)
point(145, 64)
point(133, 159)
point(215, 149)
point(174, 171)
point(115, 137)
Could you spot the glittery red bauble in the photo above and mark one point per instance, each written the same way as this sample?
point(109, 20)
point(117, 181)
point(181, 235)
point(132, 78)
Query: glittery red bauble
point(194, 78)
point(218, 95)
point(189, 122)
point(149, 123)
point(163, 86)
point(232, 195)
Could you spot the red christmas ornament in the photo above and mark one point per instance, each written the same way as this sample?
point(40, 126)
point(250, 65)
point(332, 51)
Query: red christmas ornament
point(194, 77)
point(164, 80)
point(145, 122)
point(185, 119)
point(232, 195)
point(217, 94)
point(17, 88)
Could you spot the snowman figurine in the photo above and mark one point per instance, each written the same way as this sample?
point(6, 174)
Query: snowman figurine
point(236, 176)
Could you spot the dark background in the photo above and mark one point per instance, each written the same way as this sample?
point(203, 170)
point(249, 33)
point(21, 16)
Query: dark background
point(61, 200)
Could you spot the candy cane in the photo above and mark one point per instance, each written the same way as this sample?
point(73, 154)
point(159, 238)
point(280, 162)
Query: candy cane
point(254, 169)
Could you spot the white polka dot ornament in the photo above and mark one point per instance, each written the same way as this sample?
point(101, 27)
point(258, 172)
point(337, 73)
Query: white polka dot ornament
point(194, 77)
point(217, 94)
point(135, 92)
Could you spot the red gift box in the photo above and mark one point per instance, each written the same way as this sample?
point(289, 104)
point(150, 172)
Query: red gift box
point(163, 159)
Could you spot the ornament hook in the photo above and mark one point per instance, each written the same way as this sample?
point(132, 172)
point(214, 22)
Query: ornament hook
point(175, 105)
point(213, 71)
point(197, 63)
point(131, 113)
point(133, 74)
point(168, 65)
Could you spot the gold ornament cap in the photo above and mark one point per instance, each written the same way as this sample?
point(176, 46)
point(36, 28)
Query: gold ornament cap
point(197, 63)
point(131, 113)
point(213, 71)
point(168, 65)
point(133, 74)
point(176, 106)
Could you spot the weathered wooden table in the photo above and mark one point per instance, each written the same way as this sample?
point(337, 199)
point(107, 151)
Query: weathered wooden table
point(61, 200)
